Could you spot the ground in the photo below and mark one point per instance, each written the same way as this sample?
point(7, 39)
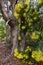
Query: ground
point(5, 52)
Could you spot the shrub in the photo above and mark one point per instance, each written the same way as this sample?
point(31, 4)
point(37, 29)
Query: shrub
point(30, 23)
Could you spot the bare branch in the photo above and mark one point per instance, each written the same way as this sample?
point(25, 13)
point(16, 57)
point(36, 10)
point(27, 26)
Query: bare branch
point(2, 8)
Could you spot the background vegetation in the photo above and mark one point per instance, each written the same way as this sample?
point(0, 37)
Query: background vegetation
point(2, 30)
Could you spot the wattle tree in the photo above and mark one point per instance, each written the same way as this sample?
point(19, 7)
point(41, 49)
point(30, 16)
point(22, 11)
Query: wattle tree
point(26, 23)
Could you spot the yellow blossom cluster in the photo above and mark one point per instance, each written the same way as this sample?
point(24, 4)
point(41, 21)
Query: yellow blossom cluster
point(19, 37)
point(16, 15)
point(28, 48)
point(19, 55)
point(30, 63)
point(23, 27)
point(34, 36)
point(18, 7)
point(37, 55)
point(27, 1)
point(40, 1)
point(30, 24)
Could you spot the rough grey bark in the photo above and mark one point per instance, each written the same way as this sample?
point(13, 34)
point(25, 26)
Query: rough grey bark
point(14, 37)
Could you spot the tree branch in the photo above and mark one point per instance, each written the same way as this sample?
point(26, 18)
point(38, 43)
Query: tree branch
point(5, 14)
point(2, 8)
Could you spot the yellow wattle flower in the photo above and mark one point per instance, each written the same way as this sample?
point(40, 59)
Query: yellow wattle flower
point(27, 2)
point(16, 52)
point(19, 20)
point(26, 56)
point(40, 1)
point(24, 14)
point(28, 48)
point(34, 36)
point(35, 18)
point(30, 63)
point(19, 38)
point(41, 58)
point(37, 55)
point(29, 24)
point(23, 27)
point(16, 15)
point(20, 56)
point(27, 8)
point(18, 7)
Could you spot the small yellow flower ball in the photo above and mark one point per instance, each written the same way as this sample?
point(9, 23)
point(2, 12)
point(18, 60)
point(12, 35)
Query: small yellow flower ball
point(21, 5)
point(20, 56)
point(30, 63)
point(19, 38)
point(29, 24)
point(41, 58)
point(37, 55)
point(23, 27)
point(27, 1)
point(35, 18)
point(40, 1)
point(18, 7)
point(27, 8)
point(16, 52)
point(26, 56)
point(16, 15)
point(19, 20)
point(24, 14)
point(34, 36)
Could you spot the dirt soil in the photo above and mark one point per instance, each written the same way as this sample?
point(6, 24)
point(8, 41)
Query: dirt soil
point(5, 52)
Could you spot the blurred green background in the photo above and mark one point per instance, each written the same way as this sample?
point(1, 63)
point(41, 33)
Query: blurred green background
point(2, 30)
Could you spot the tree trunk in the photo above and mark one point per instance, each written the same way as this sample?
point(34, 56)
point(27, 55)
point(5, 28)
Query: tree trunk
point(12, 25)
point(21, 44)
point(14, 31)
point(7, 35)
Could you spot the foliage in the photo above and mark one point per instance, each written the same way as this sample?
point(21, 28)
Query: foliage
point(2, 30)
point(30, 23)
